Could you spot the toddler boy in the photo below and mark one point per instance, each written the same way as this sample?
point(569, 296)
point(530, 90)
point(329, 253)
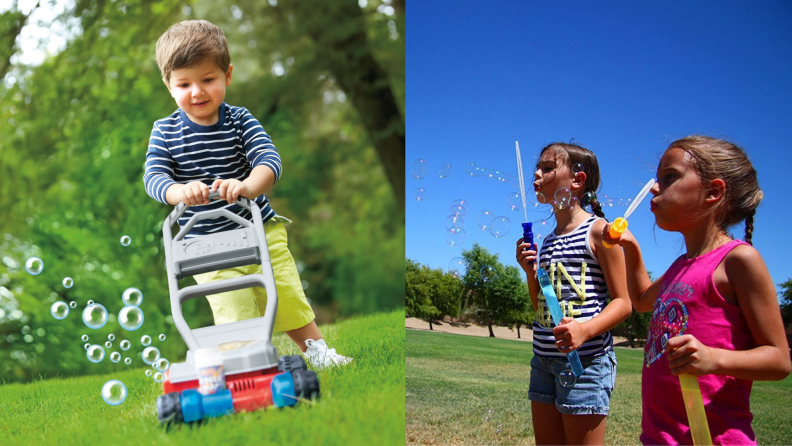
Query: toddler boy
point(207, 145)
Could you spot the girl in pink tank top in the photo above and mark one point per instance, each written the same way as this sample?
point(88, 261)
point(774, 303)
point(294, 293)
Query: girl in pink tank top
point(714, 312)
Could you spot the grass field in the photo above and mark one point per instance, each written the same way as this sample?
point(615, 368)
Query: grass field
point(362, 403)
point(473, 390)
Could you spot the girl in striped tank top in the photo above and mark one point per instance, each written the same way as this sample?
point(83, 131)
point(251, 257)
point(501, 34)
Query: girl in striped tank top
point(591, 286)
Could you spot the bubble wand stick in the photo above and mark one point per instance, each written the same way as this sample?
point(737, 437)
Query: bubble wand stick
point(557, 315)
point(528, 236)
point(620, 224)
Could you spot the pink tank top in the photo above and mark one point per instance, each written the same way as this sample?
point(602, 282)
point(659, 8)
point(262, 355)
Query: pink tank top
point(689, 303)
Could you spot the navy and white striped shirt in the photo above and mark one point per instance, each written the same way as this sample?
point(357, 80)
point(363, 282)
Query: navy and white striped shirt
point(572, 253)
point(181, 151)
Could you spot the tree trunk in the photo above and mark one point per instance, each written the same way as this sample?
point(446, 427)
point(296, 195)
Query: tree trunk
point(430, 325)
point(492, 333)
point(345, 50)
point(518, 331)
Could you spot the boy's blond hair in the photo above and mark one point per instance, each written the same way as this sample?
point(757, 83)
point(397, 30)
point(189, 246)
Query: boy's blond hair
point(187, 43)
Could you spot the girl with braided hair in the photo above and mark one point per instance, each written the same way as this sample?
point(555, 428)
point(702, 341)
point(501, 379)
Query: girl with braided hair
point(592, 290)
point(714, 312)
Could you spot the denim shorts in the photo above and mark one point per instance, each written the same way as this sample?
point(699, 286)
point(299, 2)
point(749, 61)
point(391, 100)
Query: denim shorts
point(591, 393)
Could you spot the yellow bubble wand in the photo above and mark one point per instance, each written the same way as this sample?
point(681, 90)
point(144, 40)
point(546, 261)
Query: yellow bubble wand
point(619, 225)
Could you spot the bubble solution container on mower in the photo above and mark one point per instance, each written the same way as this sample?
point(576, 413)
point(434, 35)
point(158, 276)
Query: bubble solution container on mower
point(256, 377)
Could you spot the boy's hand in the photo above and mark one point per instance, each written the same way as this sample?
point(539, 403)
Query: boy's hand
point(686, 354)
point(526, 254)
point(569, 335)
point(231, 189)
point(193, 194)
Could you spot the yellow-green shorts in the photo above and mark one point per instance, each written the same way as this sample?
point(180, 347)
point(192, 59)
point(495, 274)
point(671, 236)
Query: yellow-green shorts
point(293, 308)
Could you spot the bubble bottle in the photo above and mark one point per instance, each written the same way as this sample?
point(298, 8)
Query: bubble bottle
point(209, 365)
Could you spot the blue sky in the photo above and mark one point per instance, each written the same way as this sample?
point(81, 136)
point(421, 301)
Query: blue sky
point(623, 79)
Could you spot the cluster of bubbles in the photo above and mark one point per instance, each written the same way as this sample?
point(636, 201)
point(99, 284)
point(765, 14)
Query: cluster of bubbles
point(95, 316)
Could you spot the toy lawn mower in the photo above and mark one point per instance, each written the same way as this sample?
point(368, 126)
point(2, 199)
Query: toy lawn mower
point(255, 377)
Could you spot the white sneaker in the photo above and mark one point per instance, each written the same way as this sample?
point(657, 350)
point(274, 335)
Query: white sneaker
point(320, 356)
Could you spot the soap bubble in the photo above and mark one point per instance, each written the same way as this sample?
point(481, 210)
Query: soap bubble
point(127, 361)
point(457, 267)
point(473, 170)
point(487, 273)
point(453, 220)
point(162, 364)
point(84, 338)
point(159, 377)
point(130, 318)
point(89, 303)
point(420, 194)
point(500, 226)
point(484, 219)
point(586, 201)
point(94, 315)
point(126, 240)
point(574, 202)
point(150, 354)
point(125, 345)
point(419, 169)
point(114, 392)
point(111, 337)
point(59, 310)
point(458, 210)
point(455, 236)
point(460, 202)
point(514, 201)
point(577, 168)
point(446, 170)
point(68, 282)
point(567, 378)
point(115, 357)
point(148, 372)
point(95, 353)
point(108, 344)
point(562, 197)
point(87, 346)
point(73, 304)
point(540, 198)
point(145, 340)
point(162, 337)
point(34, 266)
point(132, 296)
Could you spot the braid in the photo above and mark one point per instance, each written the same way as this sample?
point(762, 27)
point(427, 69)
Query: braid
point(596, 207)
point(749, 227)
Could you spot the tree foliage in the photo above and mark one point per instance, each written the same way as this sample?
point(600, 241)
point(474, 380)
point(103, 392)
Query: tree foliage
point(495, 293)
point(73, 140)
point(431, 294)
point(786, 302)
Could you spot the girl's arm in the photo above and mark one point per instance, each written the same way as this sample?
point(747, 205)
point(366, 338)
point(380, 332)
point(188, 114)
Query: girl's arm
point(643, 292)
point(572, 334)
point(756, 297)
point(526, 254)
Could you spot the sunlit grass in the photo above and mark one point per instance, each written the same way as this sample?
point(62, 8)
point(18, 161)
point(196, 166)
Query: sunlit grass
point(472, 390)
point(362, 403)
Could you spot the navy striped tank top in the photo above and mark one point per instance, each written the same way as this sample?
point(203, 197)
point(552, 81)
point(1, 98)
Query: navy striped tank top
point(580, 286)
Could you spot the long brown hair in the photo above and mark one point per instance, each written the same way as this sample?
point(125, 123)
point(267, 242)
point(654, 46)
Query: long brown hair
point(716, 158)
point(572, 155)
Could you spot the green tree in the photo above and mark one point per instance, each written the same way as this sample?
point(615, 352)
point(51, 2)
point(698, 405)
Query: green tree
point(786, 302)
point(495, 291)
point(636, 326)
point(418, 293)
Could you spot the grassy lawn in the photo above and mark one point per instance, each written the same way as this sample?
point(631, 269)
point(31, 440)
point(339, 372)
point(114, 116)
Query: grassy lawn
point(473, 390)
point(362, 403)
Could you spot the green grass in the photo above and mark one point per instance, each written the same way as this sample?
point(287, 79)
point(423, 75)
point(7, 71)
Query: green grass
point(473, 390)
point(362, 403)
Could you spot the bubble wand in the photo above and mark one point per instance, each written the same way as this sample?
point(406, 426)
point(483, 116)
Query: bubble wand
point(620, 224)
point(557, 315)
point(527, 226)
point(694, 407)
